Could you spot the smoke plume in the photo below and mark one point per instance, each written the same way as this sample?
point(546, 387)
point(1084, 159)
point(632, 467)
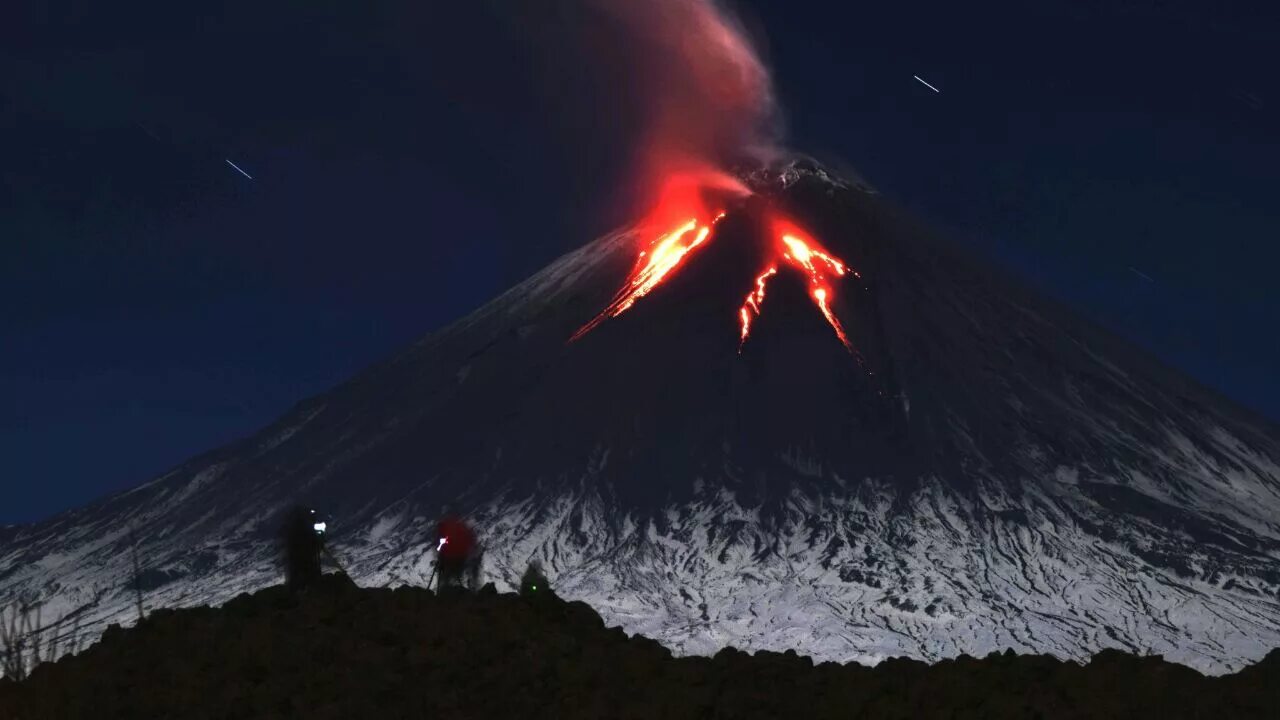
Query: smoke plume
point(675, 88)
point(705, 94)
point(606, 101)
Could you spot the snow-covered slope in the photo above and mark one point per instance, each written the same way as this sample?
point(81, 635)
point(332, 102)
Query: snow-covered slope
point(993, 473)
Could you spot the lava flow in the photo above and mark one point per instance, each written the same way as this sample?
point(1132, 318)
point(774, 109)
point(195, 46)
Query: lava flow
point(796, 249)
point(754, 300)
point(653, 266)
point(663, 256)
point(681, 215)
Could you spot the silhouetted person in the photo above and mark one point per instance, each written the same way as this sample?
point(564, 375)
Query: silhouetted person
point(455, 544)
point(475, 567)
point(534, 582)
point(303, 545)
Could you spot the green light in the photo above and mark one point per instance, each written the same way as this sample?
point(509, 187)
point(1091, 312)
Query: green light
point(535, 587)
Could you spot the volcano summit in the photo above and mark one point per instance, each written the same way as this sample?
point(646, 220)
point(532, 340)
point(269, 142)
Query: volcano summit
point(898, 451)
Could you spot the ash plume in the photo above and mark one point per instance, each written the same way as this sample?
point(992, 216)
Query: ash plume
point(603, 100)
point(673, 88)
point(705, 95)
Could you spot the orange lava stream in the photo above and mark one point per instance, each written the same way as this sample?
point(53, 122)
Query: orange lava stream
point(755, 300)
point(793, 248)
point(802, 253)
point(808, 257)
point(820, 296)
point(663, 256)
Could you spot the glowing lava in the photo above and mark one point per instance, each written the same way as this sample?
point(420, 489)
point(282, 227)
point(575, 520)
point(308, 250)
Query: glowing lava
point(796, 249)
point(652, 267)
point(682, 199)
point(754, 300)
point(820, 295)
point(682, 217)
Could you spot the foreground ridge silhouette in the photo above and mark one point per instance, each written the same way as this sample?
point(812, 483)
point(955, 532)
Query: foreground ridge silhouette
point(338, 651)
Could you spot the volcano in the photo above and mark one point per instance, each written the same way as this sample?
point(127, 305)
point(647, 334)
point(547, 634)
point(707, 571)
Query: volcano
point(911, 456)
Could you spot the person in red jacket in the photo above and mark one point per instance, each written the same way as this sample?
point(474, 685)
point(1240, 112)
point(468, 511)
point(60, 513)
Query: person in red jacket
point(455, 550)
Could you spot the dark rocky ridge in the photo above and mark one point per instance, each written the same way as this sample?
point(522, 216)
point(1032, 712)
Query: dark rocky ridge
point(343, 652)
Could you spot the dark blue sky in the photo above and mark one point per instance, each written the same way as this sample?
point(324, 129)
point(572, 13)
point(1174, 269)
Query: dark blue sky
point(413, 159)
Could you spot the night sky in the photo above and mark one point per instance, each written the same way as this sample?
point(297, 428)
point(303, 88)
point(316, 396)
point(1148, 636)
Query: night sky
point(410, 160)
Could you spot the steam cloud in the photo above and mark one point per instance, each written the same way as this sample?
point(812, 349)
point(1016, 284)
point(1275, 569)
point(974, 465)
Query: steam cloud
point(685, 81)
point(706, 95)
point(615, 97)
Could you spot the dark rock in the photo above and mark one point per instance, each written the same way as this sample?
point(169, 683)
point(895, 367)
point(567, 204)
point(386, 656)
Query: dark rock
point(730, 654)
point(339, 652)
point(111, 634)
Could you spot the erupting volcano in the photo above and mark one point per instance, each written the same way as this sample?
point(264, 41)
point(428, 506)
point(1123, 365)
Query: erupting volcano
point(788, 246)
point(990, 472)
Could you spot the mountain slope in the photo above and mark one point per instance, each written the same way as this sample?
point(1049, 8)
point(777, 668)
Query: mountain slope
point(985, 472)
